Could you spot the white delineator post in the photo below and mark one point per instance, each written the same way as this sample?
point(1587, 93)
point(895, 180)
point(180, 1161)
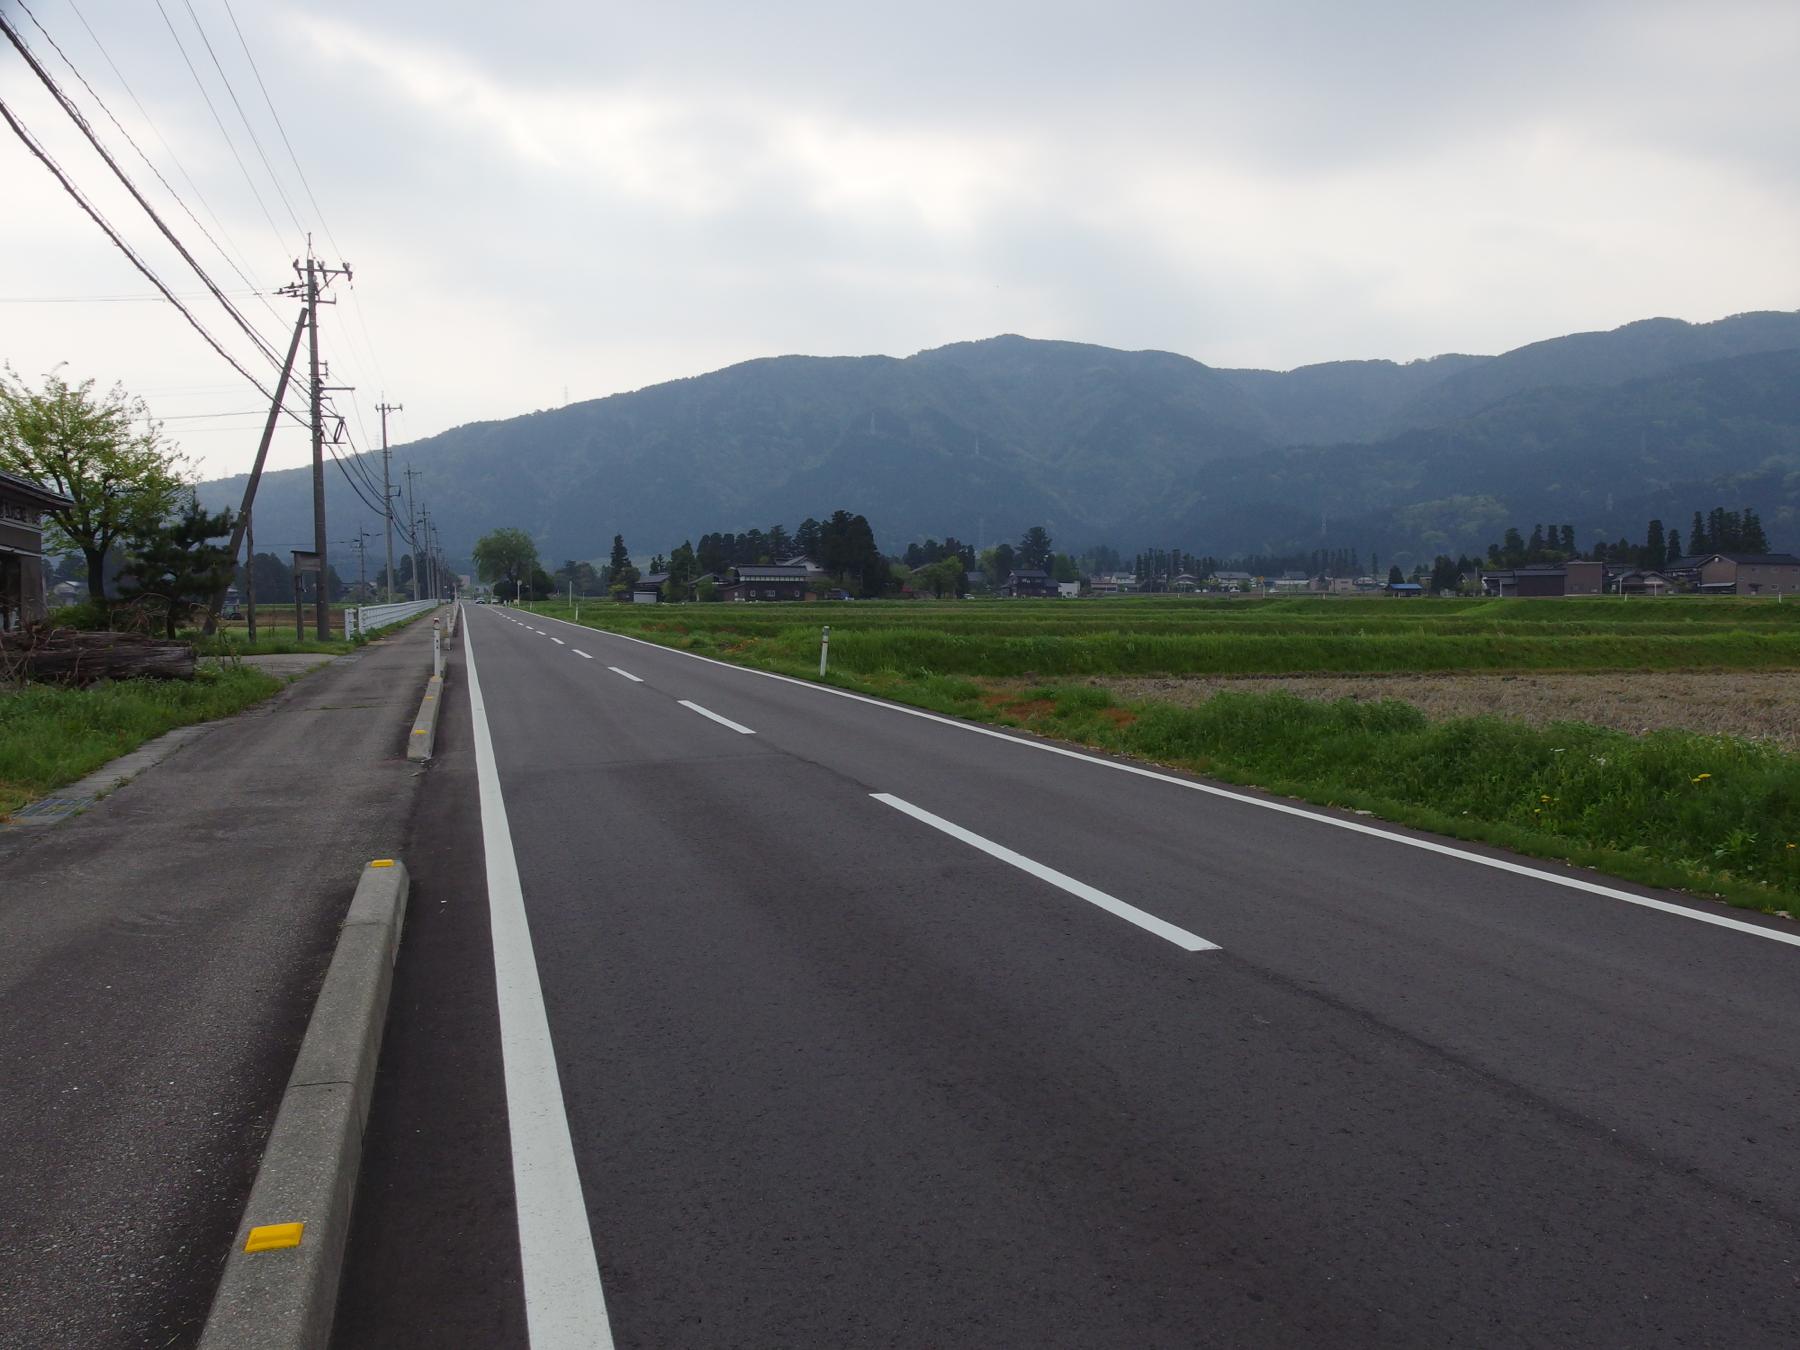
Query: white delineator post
point(824, 648)
point(437, 647)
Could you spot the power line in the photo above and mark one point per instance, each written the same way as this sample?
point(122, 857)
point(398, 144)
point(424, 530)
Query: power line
point(93, 212)
point(68, 105)
point(220, 123)
point(132, 141)
point(242, 116)
point(174, 158)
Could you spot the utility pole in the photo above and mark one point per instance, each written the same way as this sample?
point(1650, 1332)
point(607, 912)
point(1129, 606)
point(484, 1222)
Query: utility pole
point(387, 493)
point(317, 277)
point(430, 557)
point(250, 576)
point(412, 528)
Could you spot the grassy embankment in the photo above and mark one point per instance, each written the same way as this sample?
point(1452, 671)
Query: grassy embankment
point(1713, 814)
point(50, 736)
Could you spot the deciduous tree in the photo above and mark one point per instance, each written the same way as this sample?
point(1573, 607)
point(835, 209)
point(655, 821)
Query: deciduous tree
point(102, 452)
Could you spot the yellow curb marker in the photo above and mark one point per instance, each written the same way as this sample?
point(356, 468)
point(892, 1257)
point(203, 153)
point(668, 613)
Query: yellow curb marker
point(274, 1236)
point(381, 862)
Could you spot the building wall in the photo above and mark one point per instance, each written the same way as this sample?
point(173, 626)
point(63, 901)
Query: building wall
point(1766, 579)
point(1584, 578)
point(1541, 584)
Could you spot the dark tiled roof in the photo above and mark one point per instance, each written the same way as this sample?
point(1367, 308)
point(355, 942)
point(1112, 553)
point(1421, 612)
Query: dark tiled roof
point(24, 487)
point(764, 572)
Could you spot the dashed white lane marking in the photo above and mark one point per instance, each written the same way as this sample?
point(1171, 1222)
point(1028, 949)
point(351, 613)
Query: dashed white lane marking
point(1183, 939)
point(626, 673)
point(581, 653)
point(722, 721)
point(1260, 803)
point(564, 1304)
point(559, 642)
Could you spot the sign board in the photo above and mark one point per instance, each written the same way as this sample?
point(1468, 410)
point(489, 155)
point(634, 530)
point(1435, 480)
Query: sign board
point(307, 562)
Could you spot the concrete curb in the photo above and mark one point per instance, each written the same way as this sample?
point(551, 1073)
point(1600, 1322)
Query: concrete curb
point(424, 728)
point(285, 1294)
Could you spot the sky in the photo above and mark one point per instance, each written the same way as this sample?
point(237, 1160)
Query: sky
point(544, 203)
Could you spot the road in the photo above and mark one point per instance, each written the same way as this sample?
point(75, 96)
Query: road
point(738, 1012)
point(159, 956)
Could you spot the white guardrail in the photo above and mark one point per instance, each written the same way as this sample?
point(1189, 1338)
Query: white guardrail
point(369, 618)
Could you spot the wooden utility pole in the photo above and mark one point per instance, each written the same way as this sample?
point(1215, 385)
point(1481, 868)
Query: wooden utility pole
point(318, 276)
point(250, 577)
point(262, 453)
point(387, 493)
point(412, 526)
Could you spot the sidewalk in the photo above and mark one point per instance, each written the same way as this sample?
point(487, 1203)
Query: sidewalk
point(159, 955)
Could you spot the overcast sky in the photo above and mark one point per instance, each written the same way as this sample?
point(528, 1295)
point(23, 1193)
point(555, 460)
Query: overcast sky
point(594, 197)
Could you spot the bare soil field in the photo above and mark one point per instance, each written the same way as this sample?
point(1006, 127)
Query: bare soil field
point(1753, 705)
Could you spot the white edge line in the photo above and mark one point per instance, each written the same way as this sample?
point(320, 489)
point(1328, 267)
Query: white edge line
point(626, 673)
point(1162, 928)
point(1284, 808)
point(564, 1303)
point(708, 712)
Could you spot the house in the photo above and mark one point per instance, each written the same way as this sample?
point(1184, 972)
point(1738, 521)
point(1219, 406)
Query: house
point(1750, 574)
point(1406, 590)
point(1234, 581)
point(1068, 590)
point(1526, 581)
point(1582, 577)
point(766, 581)
point(1102, 585)
point(1029, 582)
point(647, 589)
point(22, 507)
point(1642, 581)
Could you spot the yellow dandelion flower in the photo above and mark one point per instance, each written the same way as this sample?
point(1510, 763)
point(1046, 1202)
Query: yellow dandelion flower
point(1701, 776)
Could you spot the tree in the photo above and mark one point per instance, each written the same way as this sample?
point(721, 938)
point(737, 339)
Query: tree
point(806, 538)
point(998, 563)
point(176, 564)
point(1698, 543)
point(1754, 540)
point(1673, 547)
point(506, 556)
point(1395, 575)
point(1034, 549)
point(620, 558)
point(1655, 546)
point(122, 482)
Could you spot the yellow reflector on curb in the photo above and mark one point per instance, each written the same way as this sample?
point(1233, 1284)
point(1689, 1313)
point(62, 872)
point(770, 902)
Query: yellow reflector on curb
point(274, 1236)
point(381, 862)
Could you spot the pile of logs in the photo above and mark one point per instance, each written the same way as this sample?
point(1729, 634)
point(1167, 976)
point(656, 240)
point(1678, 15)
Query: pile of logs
point(67, 656)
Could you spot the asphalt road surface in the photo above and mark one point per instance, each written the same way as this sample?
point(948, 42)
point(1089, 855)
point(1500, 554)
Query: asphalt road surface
point(733, 1011)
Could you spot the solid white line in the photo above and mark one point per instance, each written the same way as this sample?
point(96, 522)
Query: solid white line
point(581, 653)
point(1284, 808)
point(559, 642)
point(626, 673)
point(564, 1304)
point(708, 712)
point(1183, 939)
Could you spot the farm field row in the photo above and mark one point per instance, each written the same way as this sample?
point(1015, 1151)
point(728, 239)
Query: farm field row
point(1548, 758)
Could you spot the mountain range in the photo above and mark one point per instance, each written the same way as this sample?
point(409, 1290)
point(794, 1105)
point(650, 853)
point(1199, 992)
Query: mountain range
point(982, 439)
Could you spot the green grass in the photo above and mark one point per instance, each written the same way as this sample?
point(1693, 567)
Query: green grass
point(1025, 639)
point(51, 736)
point(1715, 815)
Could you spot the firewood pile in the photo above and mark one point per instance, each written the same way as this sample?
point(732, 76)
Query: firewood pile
point(69, 656)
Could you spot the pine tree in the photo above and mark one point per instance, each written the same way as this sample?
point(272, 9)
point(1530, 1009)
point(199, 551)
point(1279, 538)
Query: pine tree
point(1698, 543)
point(1655, 545)
point(1754, 540)
point(1673, 550)
point(174, 562)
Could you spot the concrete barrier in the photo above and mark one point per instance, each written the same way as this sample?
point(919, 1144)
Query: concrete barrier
point(423, 737)
point(280, 1286)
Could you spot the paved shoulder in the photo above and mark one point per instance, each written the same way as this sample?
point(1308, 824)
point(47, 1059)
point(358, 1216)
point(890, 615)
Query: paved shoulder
point(158, 957)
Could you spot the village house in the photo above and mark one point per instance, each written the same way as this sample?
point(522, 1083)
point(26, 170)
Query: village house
point(766, 581)
point(1641, 581)
point(22, 507)
point(647, 590)
point(1029, 582)
point(1750, 574)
